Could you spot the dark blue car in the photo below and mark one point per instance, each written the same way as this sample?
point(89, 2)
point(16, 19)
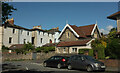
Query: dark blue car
point(56, 61)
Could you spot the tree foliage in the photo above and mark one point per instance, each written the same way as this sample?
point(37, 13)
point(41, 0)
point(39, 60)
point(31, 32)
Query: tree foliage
point(7, 11)
point(99, 45)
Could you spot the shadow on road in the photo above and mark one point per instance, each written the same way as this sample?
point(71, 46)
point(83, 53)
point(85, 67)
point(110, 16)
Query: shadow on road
point(27, 71)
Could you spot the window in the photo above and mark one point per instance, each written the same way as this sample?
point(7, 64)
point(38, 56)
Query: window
point(50, 41)
point(39, 32)
point(41, 40)
point(74, 49)
point(24, 41)
point(95, 35)
point(64, 51)
point(21, 31)
point(27, 33)
point(13, 31)
point(10, 40)
point(67, 34)
point(55, 40)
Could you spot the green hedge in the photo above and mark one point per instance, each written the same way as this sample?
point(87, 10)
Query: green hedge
point(90, 51)
point(45, 49)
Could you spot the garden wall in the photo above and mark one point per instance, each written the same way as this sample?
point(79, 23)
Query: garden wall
point(28, 56)
point(111, 62)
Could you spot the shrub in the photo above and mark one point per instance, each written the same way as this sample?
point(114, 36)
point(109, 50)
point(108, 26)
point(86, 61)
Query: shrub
point(90, 52)
point(82, 51)
point(45, 49)
point(4, 47)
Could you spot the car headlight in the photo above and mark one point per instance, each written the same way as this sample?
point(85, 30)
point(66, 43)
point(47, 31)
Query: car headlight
point(96, 64)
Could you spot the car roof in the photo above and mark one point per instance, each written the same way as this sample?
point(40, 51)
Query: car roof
point(60, 56)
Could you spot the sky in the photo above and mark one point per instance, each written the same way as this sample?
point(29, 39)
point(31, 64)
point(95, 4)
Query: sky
point(56, 14)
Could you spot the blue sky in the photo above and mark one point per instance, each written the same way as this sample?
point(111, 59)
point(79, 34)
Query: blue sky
point(54, 14)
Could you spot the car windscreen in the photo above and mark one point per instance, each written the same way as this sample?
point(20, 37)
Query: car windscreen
point(90, 58)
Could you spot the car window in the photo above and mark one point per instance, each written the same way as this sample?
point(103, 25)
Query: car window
point(74, 57)
point(57, 58)
point(79, 58)
point(52, 58)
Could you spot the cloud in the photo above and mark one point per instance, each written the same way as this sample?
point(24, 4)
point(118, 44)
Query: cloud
point(106, 30)
point(109, 27)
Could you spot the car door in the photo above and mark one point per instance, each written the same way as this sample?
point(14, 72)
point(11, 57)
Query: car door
point(56, 61)
point(80, 62)
point(74, 62)
point(50, 61)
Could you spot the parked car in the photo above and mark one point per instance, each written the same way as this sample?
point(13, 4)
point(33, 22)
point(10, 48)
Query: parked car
point(56, 61)
point(85, 62)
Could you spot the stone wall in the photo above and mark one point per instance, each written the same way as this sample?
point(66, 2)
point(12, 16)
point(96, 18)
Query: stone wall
point(111, 62)
point(28, 56)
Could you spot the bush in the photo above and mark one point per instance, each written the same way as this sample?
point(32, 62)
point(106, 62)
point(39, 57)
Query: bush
point(82, 51)
point(91, 52)
point(45, 49)
point(5, 48)
point(113, 48)
point(101, 53)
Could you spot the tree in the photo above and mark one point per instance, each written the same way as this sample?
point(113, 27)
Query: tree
point(112, 33)
point(7, 11)
point(113, 48)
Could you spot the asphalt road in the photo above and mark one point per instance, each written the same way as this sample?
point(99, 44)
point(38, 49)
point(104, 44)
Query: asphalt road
point(29, 67)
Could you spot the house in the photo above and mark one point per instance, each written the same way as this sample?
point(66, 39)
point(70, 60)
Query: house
point(72, 38)
point(14, 34)
point(116, 16)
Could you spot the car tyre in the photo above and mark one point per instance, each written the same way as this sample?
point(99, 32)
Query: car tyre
point(69, 67)
point(59, 66)
point(89, 68)
point(45, 64)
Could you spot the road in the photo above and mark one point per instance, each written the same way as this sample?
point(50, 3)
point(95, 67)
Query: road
point(30, 67)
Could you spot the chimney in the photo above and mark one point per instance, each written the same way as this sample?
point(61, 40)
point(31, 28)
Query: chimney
point(38, 27)
point(10, 21)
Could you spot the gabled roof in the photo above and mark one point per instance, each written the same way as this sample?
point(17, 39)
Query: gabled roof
point(81, 31)
point(73, 43)
point(114, 16)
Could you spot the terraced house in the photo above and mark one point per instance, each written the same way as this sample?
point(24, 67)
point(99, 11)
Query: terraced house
point(16, 35)
point(72, 38)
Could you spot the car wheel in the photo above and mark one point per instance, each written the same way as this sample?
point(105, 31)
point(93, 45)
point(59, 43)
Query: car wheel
point(69, 67)
point(45, 64)
point(89, 68)
point(59, 66)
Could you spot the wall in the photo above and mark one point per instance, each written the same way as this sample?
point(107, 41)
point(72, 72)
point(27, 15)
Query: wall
point(111, 62)
point(23, 35)
point(8, 32)
point(118, 24)
point(64, 36)
point(14, 56)
point(45, 36)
